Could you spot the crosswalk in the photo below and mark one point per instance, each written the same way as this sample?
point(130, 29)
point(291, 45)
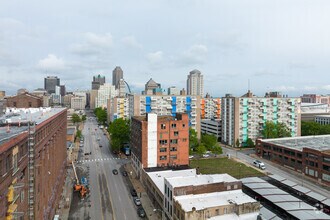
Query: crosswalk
point(97, 160)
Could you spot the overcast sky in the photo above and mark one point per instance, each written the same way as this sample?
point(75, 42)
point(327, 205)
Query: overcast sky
point(276, 44)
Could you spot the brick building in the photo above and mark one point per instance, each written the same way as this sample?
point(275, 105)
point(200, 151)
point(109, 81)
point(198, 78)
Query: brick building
point(309, 154)
point(32, 163)
point(25, 100)
point(159, 141)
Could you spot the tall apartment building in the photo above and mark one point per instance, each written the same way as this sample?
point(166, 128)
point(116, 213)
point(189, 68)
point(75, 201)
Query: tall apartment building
point(195, 83)
point(118, 108)
point(158, 141)
point(78, 102)
point(50, 83)
point(244, 117)
point(121, 88)
point(167, 105)
point(117, 74)
point(314, 98)
point(211, 108)
point(97, 82)
point(105, 92)
point(32, 162)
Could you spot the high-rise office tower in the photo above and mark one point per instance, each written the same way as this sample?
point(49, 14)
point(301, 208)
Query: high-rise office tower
point(50, 83)
point(97, 82)
point(195, 83)
point(117, 74)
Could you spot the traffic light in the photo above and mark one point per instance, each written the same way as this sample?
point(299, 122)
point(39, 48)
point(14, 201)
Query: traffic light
point(10, 194)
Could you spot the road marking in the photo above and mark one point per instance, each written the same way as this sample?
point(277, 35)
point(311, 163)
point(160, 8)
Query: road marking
point(98, 159)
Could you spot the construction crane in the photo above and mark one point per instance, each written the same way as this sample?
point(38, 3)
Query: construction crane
point(78, 187)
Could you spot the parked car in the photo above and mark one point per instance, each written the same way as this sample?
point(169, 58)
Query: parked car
point(133, 192)
point(100, 145)
point(115, 172)
point(141, 212)
point(259, 164)
point(206, 155)
point(137, 201)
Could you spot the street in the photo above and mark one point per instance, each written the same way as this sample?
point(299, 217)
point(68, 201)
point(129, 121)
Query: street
point(295, 177)
point(109, 196)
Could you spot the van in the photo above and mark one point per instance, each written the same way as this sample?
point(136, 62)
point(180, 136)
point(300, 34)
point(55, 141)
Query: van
point(259, 164)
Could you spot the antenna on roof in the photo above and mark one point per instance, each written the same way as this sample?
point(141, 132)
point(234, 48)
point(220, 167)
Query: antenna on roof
point(249, 85)
point(8, 128)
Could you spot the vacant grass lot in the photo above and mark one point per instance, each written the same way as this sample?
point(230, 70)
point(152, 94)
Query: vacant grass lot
point(224, 165)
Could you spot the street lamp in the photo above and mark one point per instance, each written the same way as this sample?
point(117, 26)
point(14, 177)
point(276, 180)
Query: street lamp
point(163, 214)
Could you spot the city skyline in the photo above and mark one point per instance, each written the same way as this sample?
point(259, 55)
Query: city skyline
point(230, 42)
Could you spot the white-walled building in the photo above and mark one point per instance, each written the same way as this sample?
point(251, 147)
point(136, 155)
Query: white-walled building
point(244, 117)
point(195, 83)
point(211, 108)
point(105, 92)
point(78, 102)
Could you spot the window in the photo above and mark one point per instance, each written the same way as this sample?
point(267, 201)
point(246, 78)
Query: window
point(30, 104)
point(15, 162)
point(173, 157)
point(174, 141)
point(184, 139)
point(183, 125)
point(7, 163)
point(163, 126)
point(176, 133)
point(162, 149)
point(173, 125)
point(22, 196)
point(14, 104)
point(163, 158)
point(173, 149)
point(162, 142)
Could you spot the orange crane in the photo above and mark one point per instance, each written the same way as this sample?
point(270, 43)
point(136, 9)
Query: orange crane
point(77, 186)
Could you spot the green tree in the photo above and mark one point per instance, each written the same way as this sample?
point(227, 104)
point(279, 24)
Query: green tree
point(249, 143)
point(310, 128)
point(101, 115)
point(193, 140)
point(78, 134)
point(272, 130)
point(119, 131)
point(83, 118)
point(209, 141)
point(201, 149)
point(237, 143)
point(217, 149)
point(75, 118)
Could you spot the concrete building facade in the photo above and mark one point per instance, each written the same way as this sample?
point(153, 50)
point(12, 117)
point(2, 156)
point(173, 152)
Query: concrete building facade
point(211, 127)
point(195, 83)
point(50, 83)
point(105, 92)
point(97, 82)
point(117, 75)
point(244, 117)
point(314, 98)
point(159, 141)
point(49, 163)
point(322, 119)
point(173, 91)
point(118, 108)
point(211, 108)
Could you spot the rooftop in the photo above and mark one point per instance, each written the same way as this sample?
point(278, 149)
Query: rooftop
point(215, 199)
point(234, 216)
point(15, 120)
point(197, 180)
point(319, 142)
point(158, 176)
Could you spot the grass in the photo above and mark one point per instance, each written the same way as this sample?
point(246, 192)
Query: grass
point(224, 165)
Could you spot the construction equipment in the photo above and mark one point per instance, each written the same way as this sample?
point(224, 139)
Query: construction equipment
point(81, 188)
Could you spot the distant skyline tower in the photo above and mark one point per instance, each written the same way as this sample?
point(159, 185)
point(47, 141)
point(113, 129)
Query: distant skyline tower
point(50, 83)
point(117, 74)
point(97, 82)
point(195, 83)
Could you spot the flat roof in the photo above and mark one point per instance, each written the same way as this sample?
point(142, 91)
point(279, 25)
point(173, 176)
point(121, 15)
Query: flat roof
point(309, 214)
point(215, 199)
point(267, 214)
point(323, 116)
point(234, 216)
point(158, 176)
point(319, 142)
point(200, 179)
point(18, 118)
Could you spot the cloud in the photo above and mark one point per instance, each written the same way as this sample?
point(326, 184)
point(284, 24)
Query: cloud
point(326, 87)
point(286, 88)
point(265, 72)
point(300, 65)
point(51, 63)
point(155, 58)
point(310, 88)
point(10, 23)
point(130, 41)
point(93, 44)
point(196, 54)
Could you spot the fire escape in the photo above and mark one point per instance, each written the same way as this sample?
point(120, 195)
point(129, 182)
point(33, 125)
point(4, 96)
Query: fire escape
point(31, 170)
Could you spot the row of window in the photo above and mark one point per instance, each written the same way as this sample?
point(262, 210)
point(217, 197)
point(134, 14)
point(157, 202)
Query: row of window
point(163, 149)
point(172, 141)
point(174, 157)
point(173, 125)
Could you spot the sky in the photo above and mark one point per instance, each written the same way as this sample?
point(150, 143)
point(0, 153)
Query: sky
point(276, 45)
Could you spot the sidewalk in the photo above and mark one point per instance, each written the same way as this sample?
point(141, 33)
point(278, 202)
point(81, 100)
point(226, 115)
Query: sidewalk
point(146, 202)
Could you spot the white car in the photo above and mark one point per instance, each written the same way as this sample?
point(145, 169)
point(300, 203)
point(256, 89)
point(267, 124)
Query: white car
point(191, 156)
point(259, 164)
point(206, 155)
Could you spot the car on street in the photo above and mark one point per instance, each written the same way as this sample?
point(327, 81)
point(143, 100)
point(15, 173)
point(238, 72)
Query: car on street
point(137, 201)
point(115, 171)
point(133, 192)
point(259, 164)
point(141, 212)
point(206, 155)
point(191, 156)
point(100, 145)
point(124, 173)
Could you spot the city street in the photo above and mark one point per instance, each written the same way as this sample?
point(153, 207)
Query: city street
point(270, 168)
point(109, 196)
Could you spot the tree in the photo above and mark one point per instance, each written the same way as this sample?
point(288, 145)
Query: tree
point(201, 149)
point(101, 115)
point(237, 143)
point(278, 130)
point(75, 118)
point(83, 118)
point(119, 131)
point(217, 149)
point(209, 141)
point(193, 140)
point(79, 135)
point(249, 143)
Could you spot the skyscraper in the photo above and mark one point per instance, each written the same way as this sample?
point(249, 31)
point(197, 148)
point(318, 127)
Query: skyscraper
point(117, 74)
point(195, 83)
point(97, 81)
point(50, 83)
